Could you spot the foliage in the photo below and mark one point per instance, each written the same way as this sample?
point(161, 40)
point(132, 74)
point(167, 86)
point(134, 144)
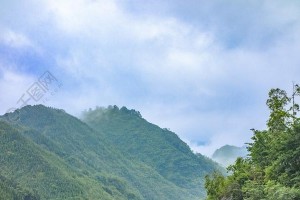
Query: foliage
point(271, 171)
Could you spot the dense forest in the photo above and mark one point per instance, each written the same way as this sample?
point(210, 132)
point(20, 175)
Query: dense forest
point(271, 171)
point(111, 154)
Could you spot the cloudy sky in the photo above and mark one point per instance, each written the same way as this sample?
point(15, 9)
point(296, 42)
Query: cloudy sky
point(201, 68)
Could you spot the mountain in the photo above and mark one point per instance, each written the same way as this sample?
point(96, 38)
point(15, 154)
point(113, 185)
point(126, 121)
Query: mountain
point(159, 148)
point(46, 153)
point(32, 165)
point(226, 155)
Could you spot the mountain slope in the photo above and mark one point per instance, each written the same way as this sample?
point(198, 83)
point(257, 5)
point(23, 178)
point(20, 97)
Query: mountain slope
point(11, 190)
point(159, 148)
point(33, 173)
point(98, 167)
point(226, 155)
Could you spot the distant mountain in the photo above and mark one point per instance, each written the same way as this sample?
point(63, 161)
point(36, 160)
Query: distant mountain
point(226, 155)
point(113, 153)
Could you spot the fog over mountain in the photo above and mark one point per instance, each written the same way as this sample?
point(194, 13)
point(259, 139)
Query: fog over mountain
point(227, 155)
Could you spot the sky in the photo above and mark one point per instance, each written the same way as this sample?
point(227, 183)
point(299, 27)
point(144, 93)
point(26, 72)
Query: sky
point(201, 68)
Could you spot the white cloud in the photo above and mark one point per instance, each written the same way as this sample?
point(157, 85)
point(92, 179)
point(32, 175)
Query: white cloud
point(14, 40)
point(12, 86)
point(177, 59)
point(184, 71)
point(85, 17)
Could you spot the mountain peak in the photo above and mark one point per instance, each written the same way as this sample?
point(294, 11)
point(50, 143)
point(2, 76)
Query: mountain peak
point(111, 110)
point(36, 108)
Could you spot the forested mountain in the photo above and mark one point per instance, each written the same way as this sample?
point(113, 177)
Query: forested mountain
point(145, 142)
point(226, 155)
point(49, 154)
point(272, 169)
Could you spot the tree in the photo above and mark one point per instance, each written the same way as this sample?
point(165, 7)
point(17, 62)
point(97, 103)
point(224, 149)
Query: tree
point(271, 171)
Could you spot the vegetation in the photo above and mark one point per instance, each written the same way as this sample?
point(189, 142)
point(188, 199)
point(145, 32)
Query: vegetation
point(28, 170)
point(271, 171)
point(49, 154)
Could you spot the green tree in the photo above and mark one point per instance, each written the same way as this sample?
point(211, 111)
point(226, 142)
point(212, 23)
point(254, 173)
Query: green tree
point(271, 171)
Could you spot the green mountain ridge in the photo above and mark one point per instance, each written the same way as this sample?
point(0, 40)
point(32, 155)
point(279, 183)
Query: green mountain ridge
point(175, 161)
point(49, 154)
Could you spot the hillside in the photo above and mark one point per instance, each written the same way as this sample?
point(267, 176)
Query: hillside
point(31, 172)
point(159, 148)
point(50, 154)
point(226, 155)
